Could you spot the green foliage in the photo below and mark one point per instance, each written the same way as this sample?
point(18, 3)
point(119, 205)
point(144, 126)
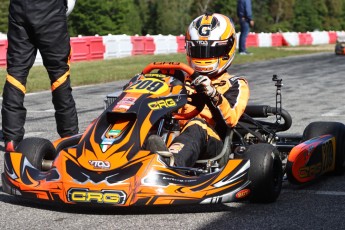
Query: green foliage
point(306, 17)
point(153, 17)
point(4, 15)
point(104, 17)
point(173, 16)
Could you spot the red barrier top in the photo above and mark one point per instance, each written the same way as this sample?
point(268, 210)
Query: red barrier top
point(332, 37)
point(87, 48)
point(3, 52)
point(138, 45)
point(80, 49)
point(277, 39)
point(305, 39)
point(252, 40)
point(97, 48)
point(150, 46)
point(181, 44)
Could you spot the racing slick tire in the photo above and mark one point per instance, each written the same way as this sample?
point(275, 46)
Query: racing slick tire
point(336, 129)
point(265, 172)
point(37, 151)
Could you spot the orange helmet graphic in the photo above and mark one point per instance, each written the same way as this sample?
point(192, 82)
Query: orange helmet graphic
point(210, 44)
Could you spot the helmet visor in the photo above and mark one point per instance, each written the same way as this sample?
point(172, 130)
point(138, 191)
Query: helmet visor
point(208, 49)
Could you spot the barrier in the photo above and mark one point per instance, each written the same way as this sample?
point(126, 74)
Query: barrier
point(305, 39)
point(80, 49)
point(38, 60)
point(252, 40)
point(165, 44)
point(332, 37)
point(340, 34)
point(96, 48)
point(117, 46)
point(320, 37)
point(277, 39)
point(149, 44)
point(265, 39)
point(3, 36)
point(181, 44)
point(138, 45)
point(290, 39)
point(3, 52)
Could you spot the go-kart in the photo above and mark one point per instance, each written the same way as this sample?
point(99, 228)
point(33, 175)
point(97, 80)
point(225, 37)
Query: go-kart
point(340, 45)
point(109, 163)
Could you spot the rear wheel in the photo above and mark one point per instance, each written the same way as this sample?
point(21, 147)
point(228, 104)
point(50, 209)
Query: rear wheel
point(337, 129)
point(40, 152)
point(265, 172)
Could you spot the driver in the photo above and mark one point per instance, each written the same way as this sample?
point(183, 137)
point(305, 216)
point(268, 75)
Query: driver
point(210, 46)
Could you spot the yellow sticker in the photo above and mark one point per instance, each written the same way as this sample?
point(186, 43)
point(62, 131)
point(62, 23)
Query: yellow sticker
point(149, 85)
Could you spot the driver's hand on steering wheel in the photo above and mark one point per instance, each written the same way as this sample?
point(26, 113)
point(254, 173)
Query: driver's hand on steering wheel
point(203, 84)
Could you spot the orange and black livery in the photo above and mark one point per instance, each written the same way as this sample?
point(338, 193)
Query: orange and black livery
point(109, 163)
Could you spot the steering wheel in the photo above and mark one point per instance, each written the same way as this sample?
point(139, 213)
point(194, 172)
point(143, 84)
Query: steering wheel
point(196, 99)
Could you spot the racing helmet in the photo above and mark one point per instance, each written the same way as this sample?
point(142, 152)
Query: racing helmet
point(211, 44)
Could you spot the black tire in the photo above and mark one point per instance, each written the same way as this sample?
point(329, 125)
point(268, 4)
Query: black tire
point(336, 129)
point(36, 150)
point(265, 172)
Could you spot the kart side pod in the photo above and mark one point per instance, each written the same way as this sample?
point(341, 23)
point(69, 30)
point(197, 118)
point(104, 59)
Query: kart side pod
point(311, 159)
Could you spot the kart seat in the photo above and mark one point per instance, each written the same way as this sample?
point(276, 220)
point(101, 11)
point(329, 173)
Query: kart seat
point(223, 156)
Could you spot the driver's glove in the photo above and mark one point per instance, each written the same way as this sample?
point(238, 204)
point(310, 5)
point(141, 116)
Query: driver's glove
point(203, 84)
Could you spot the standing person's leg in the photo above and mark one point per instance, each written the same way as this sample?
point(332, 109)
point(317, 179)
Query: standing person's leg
point(21, 55)
point(243, 36)
point(54, 45)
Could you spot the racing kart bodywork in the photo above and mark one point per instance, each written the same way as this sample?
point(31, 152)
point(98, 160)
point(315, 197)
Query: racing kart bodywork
point(109, 164)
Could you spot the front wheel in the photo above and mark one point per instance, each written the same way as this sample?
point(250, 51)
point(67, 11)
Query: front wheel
point(265, 172)
point(40, 152)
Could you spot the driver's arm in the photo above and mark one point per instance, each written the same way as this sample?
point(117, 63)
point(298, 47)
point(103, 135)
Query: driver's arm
point(234, 98)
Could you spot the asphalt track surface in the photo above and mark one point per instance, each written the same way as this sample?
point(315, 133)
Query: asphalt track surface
point(313, 90)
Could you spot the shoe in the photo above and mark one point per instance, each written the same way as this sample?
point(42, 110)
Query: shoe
point(156, 144)
point(246, 53)
point(10, 146)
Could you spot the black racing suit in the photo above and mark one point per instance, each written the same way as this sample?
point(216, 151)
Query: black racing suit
point(38, 25)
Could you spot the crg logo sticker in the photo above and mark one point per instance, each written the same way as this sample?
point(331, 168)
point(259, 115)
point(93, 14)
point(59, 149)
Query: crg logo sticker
point(167, 103)
point(100, 197)
point(100, 164)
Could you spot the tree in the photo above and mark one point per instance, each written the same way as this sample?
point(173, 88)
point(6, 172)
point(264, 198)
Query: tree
point(333, 15)
point(199, 7)
point(227, 8)
point(281, 12)
point(4, 15)
point(173, 16)
point(306, 18)
point(104, 17)
point(261, 15)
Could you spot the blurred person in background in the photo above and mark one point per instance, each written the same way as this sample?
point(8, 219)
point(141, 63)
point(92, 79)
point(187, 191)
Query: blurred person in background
point(244, 14)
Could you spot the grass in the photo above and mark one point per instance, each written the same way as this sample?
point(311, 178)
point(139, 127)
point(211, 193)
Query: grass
point(92, 72)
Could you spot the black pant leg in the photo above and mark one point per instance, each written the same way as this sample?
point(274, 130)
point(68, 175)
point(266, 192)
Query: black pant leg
point(196, 141)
